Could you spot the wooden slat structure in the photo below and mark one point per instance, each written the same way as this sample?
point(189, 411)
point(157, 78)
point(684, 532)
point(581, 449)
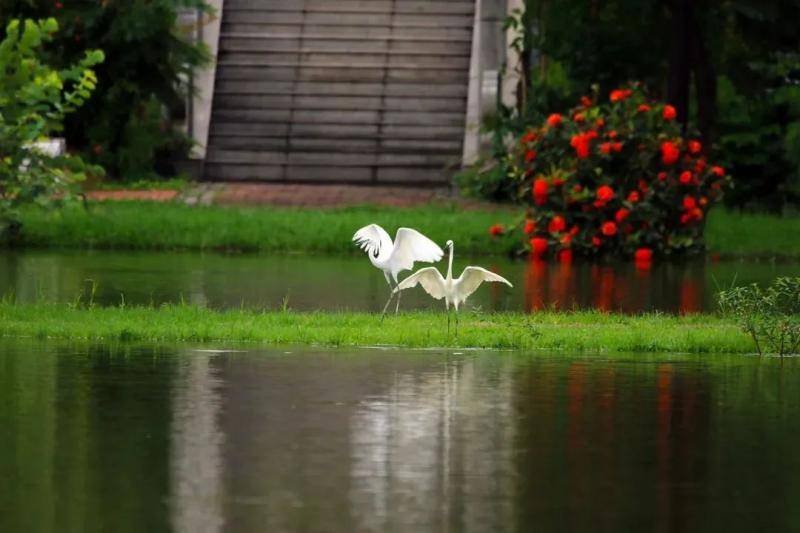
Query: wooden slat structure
point(361, 91)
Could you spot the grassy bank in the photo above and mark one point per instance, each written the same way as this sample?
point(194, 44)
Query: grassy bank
point(574, 331)
point(145, 225)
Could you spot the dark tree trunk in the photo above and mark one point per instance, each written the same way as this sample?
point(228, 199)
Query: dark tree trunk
point(705, 82)
point(679, 60)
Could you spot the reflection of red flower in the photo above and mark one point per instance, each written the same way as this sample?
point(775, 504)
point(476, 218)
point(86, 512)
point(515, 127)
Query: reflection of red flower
point(565, 256)
point(621, 214)
point(669, 112)
point(695, 147)
point(530, 227)
point(643, 255)
point(496, 230)
point(609, 229)
point(669, 153)
point(605, 193)
point(530, 155)
point(540, 188)
point(554, 120)
point(538, 246)
point(557, 224)
point(617, 95)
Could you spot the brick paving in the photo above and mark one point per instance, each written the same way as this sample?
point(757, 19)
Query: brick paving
point(295, 195)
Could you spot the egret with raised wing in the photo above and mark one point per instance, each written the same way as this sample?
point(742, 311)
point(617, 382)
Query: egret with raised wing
point(454, 291)
point(409, 246)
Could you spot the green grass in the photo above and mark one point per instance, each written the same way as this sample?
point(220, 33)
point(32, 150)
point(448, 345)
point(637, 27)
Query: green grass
point(172, 226)
point(573, 331)
point(747, 234)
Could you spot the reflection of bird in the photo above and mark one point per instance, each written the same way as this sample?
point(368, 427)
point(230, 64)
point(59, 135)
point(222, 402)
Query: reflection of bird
point(454, 291)
point(393, 257)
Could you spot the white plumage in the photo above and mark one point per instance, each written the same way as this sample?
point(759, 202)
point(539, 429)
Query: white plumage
point(454, 291)
point(409, 246)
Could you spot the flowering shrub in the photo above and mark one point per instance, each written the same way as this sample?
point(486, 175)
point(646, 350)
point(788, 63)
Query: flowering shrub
point(613, 178)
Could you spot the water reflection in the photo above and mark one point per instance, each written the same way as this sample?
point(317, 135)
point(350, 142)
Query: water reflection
point(154, 439)
point(305, 283)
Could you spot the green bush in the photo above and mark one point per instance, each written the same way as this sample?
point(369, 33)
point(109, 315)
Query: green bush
point(770, 316)
point(34, 99)
point(127, 125)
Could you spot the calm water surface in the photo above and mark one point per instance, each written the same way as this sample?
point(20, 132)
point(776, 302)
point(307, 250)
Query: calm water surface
point(310, 283)
point(131, 439)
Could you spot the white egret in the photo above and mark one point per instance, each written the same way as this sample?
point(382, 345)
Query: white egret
point(454, 291)
point(392, 258)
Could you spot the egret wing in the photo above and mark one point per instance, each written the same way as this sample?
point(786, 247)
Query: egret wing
point(411, 246)
point(430, 279)
point(472, 277)
point(372, 239)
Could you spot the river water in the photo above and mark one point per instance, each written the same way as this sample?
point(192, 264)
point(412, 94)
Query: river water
point(330, 283)
point(130, 438)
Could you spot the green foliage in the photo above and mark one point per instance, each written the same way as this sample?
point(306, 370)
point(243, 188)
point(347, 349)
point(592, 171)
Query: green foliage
point(613, 178)
point(34, 99)
point(127, 125)
point(770, 316)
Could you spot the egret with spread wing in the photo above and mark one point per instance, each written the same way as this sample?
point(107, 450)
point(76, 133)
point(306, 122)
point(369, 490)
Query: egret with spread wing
point(454, 291)
point(409, 246)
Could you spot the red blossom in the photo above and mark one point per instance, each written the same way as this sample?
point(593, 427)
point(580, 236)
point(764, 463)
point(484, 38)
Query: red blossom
point(605, 148)
point(643, 108)
point(557, 224)
point(695, 147)
point(530, 155)
point(616, 147)
point(496, 229)
point(554, 120)
point(686, 177)
point(529, 137)
point(579, 117)
point(633, 196)
point(586, 101)
point(596, 242)
point(643, 255)
point(662, 176)
point(581, 143)
point(605, 193)
point(609, 229)
point(538, 246)
point(565, 256)
point(689, 202)
point(617, 95)
point(540, 188)
point(530, 227)
point(669, 112)
point(599, 123)
point(718, 171)
point(621, 214)
point(669, 153)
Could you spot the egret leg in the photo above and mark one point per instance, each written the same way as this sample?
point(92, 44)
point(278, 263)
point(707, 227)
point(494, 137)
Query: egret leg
point(397, 307)
point(456, 323)
point(385, 307)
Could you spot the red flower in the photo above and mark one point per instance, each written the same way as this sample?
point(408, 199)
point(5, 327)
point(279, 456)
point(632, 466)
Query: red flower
point(540, 188)
point(586, 101)
point(643, 186)
point(669, 112)
point(696, 213)
point(565, 256)
point(530, 155)
point(621, 214)
point(599, 123)
point(695, 147)
point(596, 242)
point(538, 246)
point(557, 224)
point(718, 171)
point(633, 196)
point(703, 201)
point(618, 95)
point(581, 144)
point(689, 202)
point(662, 176)
point(685, 178)
point(496, 230)
point(579, 117)
point(574, 230)
point(554, 120)
point(700, 165)
point(669, 153)
point(577, 188)
point(530, 227)
point(605, 193)
point(605, 148)
point(558, 181)
point(643, 254)
point(616, 147)
point(529, 137)
point(643, 108)
point(609, 229)
point(612, 134)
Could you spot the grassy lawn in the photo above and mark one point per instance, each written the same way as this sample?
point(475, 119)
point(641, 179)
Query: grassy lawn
point(147, 225)
point(574, 331)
